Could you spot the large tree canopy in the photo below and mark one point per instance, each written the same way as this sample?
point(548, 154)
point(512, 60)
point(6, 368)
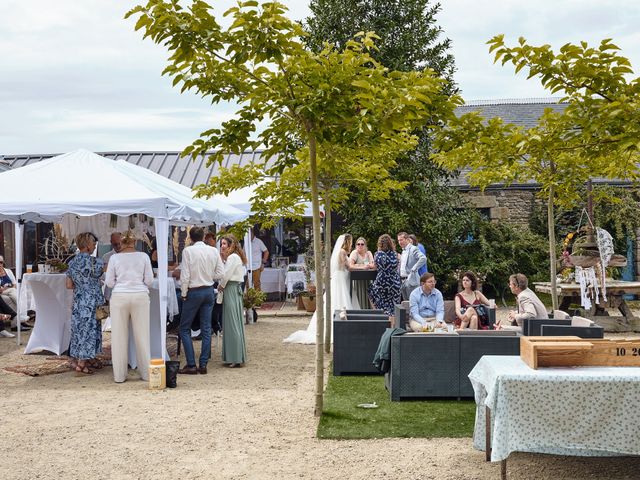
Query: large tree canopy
point(314, 104)
point(410, 37)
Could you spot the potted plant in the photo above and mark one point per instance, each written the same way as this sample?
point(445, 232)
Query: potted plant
point(308, 296)
point(309, 301)
point(253, 298)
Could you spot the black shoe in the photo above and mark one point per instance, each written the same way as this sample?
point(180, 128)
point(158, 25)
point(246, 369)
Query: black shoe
point(202, 370)
point(23, 328)
point(188, 371)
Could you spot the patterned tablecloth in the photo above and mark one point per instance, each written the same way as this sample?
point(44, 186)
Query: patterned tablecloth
point(582, 411)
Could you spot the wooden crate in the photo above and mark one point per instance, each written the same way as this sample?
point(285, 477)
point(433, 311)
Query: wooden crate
point(573, 351)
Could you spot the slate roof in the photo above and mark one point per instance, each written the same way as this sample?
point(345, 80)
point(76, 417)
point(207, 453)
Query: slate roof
point(521, 112)
point(169, 164)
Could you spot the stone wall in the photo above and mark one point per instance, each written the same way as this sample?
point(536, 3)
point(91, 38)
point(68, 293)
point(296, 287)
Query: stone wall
point(509, 205)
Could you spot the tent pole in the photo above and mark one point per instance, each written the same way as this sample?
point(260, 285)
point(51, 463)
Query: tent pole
point(162, 243)
point(18, 234)
point(247, 251)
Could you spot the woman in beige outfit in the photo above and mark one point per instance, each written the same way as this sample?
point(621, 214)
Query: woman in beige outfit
point(129, 274)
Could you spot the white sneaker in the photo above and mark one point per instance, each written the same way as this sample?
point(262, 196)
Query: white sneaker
point(6, 334)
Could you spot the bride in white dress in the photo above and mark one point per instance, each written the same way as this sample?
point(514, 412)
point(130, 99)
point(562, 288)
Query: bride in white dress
point(340, 298)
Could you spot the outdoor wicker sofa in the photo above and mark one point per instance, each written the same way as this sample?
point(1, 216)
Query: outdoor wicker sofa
point(356, 339)
point(436, 365)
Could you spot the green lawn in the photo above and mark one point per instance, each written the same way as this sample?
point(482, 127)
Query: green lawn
point(342, 419)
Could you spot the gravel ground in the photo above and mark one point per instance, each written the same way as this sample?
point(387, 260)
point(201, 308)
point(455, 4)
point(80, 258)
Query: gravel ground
point(249, 423)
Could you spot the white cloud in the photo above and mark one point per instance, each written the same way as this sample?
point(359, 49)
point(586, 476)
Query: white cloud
point(75, 73)
point(470, 24)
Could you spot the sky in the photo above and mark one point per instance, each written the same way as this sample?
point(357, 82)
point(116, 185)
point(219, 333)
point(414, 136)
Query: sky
point(75, 74)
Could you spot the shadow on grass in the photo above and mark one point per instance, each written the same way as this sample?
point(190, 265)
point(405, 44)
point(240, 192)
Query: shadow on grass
point(343, 419)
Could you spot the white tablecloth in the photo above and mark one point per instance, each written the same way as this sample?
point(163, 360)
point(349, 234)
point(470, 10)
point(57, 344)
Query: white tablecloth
point(52, 302)
point(583, 411)
point(48, 296)
point(273, 280)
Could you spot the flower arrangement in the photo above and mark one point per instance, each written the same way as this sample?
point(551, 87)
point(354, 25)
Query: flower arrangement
point(56, 250)
point(57, 266)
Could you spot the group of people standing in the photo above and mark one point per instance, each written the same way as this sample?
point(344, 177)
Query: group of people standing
point(202, 267)
point(128, 275)
point(396, 276)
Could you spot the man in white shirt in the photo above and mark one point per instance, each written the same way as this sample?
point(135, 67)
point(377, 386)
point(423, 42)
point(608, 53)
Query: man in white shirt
point(201, 267)
point(528, 304)
point(116, 246)
point(259, 256)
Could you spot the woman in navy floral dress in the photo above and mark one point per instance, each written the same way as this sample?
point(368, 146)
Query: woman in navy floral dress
point(384, 292)
point(83, 277)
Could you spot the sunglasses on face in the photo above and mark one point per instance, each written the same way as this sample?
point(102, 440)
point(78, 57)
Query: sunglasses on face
point(359, 244)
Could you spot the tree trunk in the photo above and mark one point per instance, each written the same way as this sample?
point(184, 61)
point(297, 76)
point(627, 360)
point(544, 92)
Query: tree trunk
point(317, 257)
point(327, 255)
point(552, 248)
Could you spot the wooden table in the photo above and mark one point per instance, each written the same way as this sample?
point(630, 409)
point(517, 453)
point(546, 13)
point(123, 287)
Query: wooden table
point(616, 290)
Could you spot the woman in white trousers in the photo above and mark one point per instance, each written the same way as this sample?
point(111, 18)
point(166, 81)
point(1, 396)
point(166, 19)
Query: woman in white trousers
point(129, 274)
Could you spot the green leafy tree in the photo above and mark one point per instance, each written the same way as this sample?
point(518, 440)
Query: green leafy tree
point(410, 37)
point(494, 251)
point(595, 136)
point(409, 40)
point(314, 103)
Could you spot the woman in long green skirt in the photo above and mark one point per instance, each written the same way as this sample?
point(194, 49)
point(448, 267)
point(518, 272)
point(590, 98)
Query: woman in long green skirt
point(234, 349)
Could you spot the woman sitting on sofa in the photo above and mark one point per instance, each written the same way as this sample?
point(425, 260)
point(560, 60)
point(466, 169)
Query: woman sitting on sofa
point(471, 305)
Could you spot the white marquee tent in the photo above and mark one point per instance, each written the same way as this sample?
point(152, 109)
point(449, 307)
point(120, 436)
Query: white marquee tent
point(86, 184)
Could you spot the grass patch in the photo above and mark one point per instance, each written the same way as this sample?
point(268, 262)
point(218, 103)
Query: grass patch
point(342, 419)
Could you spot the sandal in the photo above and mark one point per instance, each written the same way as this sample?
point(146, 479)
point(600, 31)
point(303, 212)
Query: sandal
point(95, 363)
point(82, 371)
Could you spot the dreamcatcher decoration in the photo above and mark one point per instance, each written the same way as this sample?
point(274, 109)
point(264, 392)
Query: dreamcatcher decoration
point(605, 247)
point(588, 281)
point(590, 261)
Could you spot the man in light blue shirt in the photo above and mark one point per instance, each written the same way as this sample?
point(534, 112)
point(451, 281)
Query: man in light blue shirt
point(426, 304)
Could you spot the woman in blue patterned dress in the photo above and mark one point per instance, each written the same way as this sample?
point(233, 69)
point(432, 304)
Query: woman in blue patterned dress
point(384, 292)
point(83, 277)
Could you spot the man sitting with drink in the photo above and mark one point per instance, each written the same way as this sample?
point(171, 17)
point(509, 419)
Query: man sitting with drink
point(426, 306)
point(528, 304)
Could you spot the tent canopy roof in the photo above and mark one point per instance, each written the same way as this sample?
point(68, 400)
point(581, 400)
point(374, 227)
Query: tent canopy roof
point(84, 183)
